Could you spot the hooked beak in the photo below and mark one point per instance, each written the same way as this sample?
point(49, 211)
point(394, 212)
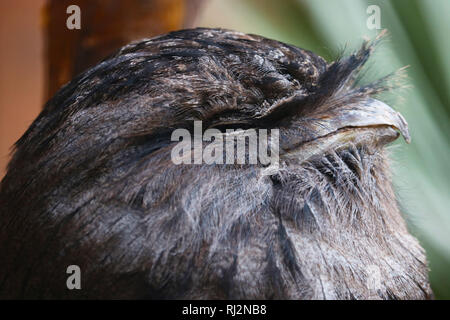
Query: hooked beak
point(371, 122)
point(370, 113)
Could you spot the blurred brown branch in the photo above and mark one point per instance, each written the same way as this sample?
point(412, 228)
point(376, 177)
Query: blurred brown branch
point(105, 27)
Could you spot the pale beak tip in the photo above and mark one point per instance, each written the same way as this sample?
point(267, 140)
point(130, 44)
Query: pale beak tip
point(403, 128)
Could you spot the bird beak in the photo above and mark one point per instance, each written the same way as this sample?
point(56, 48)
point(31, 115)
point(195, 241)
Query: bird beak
point(370, 122)
point(370, 113)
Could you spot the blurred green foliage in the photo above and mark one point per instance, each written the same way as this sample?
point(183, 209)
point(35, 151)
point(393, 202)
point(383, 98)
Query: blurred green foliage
point(419, 38)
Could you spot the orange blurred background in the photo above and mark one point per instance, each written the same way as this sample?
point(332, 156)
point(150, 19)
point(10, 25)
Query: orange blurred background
point(21, 71)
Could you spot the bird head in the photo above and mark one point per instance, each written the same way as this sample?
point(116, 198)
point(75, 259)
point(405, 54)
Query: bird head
point(101, 190)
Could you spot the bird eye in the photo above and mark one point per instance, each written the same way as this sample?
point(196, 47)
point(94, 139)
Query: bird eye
point(232, 126)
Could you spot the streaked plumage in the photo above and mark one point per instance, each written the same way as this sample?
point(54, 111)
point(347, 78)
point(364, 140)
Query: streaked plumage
point(91, 182)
